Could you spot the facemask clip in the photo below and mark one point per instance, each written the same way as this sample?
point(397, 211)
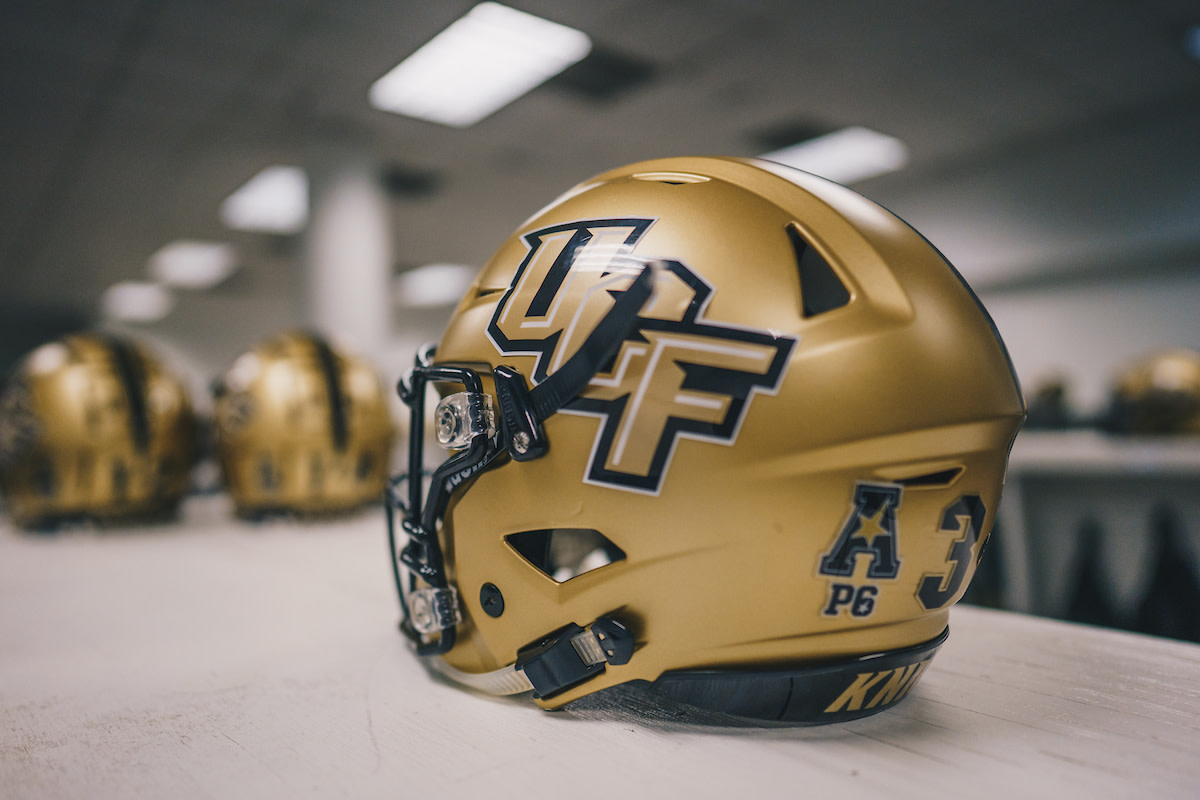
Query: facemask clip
point(433, 610)
point(523, 431)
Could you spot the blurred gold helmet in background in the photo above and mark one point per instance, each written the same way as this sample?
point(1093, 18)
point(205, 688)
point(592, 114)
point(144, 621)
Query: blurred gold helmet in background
point(714, 424)
point(1160, 394)
point(92, 427)
point(302, 427)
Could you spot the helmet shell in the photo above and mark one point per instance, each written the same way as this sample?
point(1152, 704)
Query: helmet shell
point(93, 426)
point(302, 427)
point(799, 454)
point(1158, 395)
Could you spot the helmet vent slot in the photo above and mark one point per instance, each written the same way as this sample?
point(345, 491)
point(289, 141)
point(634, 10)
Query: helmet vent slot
point(672, 178)
point(821, 289)
point(932, 480)
point(565, 553)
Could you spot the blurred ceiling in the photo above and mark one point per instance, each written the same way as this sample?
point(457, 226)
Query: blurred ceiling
point(1050, 139)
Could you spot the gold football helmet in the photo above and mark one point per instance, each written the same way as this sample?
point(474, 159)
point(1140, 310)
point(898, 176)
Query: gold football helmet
point(92, 427)
point(716, 425)
point(1158, 395)
point(302, 428)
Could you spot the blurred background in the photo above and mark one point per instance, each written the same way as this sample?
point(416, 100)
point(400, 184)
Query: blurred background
point(201, 174)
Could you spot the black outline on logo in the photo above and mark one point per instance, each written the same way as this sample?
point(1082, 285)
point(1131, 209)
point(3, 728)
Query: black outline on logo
point(544, 348)
point(738, 385)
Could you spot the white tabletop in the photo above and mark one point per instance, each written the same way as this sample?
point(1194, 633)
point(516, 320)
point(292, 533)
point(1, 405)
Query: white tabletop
point(220, 659)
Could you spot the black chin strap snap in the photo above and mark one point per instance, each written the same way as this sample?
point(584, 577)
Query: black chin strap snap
point(573, 654)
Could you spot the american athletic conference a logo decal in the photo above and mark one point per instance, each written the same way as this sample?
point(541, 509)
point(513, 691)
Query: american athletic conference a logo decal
point(678, 375)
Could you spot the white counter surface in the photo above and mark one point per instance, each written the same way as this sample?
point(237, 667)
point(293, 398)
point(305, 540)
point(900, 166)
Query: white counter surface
point(219, 659)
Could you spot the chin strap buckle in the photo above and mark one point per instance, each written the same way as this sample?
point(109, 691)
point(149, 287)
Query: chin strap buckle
point(573, 654)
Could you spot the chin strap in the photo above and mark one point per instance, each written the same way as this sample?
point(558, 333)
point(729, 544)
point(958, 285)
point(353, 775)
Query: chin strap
point(559, 661)
point(523, 410)
point(507, 680)
point(520, 434)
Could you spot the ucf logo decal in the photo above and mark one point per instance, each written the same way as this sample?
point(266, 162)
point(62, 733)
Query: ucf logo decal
point(678, 374)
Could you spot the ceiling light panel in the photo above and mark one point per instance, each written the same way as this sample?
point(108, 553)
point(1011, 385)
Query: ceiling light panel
point(273, 201)
point(433, 285)
point(136, 301)
point(482, 62)
point(186, 264)
point(849, 155)
point(1191, 42)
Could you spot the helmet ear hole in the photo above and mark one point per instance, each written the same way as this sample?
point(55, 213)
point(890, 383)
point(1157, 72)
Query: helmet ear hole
point(938, 479)
point(565, 553)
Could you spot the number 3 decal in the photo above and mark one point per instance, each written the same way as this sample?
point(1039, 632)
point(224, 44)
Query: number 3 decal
point(936, 590)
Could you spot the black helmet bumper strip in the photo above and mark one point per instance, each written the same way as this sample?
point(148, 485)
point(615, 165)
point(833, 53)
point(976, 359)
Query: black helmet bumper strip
point(837, 691)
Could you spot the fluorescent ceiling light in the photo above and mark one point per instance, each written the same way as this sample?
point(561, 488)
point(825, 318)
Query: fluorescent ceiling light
point(849, 155)
point(433, 285)
point(1191, 42)
point(136, 301)
point(273, 201)
point(48, 358)
point(186, 264)
point(482, 62)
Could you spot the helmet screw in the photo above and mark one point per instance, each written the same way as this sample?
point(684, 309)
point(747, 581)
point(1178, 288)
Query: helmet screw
point(491, 600)
point(520, 442)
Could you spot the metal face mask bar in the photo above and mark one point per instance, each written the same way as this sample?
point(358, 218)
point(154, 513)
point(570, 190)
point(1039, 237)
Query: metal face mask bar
point(483, 433)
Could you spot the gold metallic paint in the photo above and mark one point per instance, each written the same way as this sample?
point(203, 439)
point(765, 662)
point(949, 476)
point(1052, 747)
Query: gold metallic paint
point(721, 565)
